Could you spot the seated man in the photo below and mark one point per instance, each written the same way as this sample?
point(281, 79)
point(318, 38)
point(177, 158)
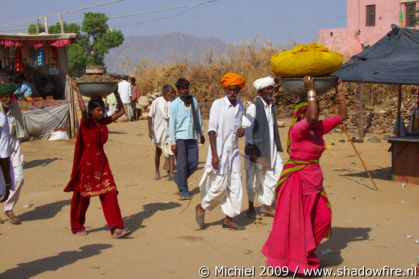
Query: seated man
point(24, 89)
point(47, 88)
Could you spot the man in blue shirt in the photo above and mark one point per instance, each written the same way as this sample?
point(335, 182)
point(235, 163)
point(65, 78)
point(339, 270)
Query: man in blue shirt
point(24, 89)
point(185, 125)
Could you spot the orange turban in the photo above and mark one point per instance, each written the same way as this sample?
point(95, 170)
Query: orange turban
point(232, 79)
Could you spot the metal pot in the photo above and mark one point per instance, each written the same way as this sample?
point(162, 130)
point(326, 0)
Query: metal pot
point(296, 85)
point(96, 89)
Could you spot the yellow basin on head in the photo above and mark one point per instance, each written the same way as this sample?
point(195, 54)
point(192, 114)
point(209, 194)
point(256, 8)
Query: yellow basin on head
point(306, 60)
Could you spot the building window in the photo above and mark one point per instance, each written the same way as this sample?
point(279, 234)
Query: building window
point(411, 14)
point(370, 21)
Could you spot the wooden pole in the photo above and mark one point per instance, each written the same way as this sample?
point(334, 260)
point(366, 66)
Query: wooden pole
point(60, 17)
point(399, 112)
point(46, 24)
point(361, 112)
point(353, 146)
point(37, 26)
point(76, 121)
point(72, 112)
point(371, 96)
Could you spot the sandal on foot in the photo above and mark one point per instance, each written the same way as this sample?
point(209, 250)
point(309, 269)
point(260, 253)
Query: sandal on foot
point(12, 218)
point(82, 233)
point(266, 211)
point(199, 218)
point(157, 177)
point(119, 233)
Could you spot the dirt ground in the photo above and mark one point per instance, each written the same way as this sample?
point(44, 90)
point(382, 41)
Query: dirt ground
point(370, 228)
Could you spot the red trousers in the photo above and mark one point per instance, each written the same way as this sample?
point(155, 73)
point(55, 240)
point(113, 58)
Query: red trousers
point(110, 208)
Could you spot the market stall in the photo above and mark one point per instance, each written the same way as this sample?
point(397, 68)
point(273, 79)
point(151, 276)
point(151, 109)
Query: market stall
point(41, 59)
point(392, 60)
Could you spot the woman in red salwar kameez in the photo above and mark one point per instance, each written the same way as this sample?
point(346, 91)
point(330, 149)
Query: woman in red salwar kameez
point(91, 175)
point(303, 213)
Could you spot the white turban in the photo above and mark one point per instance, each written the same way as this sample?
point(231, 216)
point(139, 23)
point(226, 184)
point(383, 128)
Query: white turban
point(262, 83)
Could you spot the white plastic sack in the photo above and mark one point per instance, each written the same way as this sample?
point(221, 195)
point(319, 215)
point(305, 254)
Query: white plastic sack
point(59, 135)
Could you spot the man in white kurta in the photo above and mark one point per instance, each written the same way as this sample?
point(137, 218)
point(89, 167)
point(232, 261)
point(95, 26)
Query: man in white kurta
point(221, 183)
point(16, 132)
point(4, 159)
point(262, 172)
point(124, 90)
point(158, 124)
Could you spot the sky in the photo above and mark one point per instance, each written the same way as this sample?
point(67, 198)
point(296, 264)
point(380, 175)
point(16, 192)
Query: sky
point(279, 21)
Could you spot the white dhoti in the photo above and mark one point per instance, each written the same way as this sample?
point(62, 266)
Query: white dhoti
point(262, 181)
point(16, 173)
point(223, 189)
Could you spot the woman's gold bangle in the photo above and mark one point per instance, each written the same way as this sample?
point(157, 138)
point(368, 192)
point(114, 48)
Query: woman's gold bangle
point(311, 99)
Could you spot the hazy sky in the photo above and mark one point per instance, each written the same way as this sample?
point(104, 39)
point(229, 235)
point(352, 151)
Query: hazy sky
point(280, 21)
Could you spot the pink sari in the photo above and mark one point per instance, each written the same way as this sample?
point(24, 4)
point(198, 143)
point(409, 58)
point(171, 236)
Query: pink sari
point(303, 213)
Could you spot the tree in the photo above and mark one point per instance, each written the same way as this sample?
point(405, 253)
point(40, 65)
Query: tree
point(100, 38)
point(94, 39)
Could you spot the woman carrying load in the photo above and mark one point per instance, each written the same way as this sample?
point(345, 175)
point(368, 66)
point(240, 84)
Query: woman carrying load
point(91, 175)
point(303, 212)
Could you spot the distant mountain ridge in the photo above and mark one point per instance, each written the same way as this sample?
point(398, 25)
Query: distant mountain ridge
point(160, 49)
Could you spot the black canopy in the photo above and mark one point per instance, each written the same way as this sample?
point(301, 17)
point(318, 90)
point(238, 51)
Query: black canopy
point(394, 59)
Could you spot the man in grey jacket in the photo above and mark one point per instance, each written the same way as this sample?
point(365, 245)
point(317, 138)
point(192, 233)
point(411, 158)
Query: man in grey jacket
point(263, 164)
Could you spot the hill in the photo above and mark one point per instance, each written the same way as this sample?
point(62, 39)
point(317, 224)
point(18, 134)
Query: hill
point(160, 49)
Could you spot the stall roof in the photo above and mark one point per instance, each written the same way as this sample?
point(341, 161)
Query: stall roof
point(394, 59)
point(37, 40)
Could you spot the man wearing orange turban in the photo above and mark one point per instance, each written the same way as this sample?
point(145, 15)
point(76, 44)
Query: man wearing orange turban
point(232, 79)
point(221, 183)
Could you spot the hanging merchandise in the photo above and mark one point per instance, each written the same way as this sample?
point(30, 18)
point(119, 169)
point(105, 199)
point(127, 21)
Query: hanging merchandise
point(53, 65)
point(26, 57)
point(55, 57)
point(32, 55)
point(18, 60)
point(6, 56)
point(40, 57)
point(12, 51)
point(47, 55)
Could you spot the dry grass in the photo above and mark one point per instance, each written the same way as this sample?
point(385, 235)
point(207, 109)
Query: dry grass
point(252, 60)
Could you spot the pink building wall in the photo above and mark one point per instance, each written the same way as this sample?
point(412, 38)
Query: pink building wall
point(350, 40)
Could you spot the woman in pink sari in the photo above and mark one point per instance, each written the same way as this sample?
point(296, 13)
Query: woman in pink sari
point(303, 213)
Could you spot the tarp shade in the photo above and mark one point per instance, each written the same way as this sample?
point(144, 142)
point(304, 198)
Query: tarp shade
point(36, 43)
point(394, 59)
point(40, 123)
point(38, 40)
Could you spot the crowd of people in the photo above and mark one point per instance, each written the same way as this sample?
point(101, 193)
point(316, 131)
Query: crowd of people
point(129, 92)
point(302, 212)
point(291, 192)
